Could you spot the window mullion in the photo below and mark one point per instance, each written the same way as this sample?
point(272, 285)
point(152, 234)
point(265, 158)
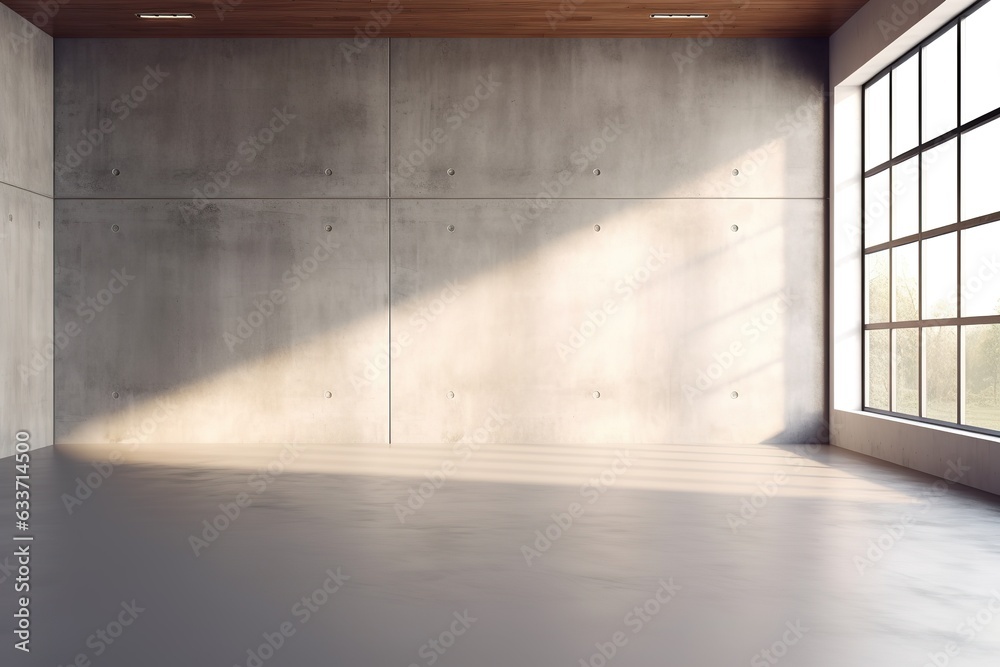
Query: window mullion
point(960, 330)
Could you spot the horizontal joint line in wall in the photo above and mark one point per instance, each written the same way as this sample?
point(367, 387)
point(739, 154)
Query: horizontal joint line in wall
point(218, 198)
point(443, 198)
point(617, 198)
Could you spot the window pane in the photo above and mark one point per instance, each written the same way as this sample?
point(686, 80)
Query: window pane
point(980, 148)
point(905, 261)
point(906, 370)
point(877, 356)
point(981, 369)
point(877, 209)
point(941, 373)
point(877, 123)
point(940, 289)
point(980, 61)
point(877, 274)
point(905, 199)
point(940, 85)
point(940, 185)
point(905, 106)
point(981, 270)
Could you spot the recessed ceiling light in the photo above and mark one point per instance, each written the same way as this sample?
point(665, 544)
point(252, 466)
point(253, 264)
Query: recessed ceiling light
point(678, 16)
point(164, 15)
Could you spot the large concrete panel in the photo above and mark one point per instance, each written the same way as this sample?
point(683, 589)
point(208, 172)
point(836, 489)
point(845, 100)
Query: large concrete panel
point(25, 104)
point(204, 119)
point(507, 325)
point(26, 344)
point(658, 118)
point(242, 325)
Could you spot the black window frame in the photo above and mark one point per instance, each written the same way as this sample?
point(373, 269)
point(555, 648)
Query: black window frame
point(921, 323)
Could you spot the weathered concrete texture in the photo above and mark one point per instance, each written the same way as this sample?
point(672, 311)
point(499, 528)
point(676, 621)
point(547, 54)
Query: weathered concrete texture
point(665, 312)
point(229, 326)
point(220, 118)
point(658, 118)
point(26, 324)
point(25, 104)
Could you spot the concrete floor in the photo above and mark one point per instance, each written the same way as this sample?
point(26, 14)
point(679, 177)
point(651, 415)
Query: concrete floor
point(794, 573)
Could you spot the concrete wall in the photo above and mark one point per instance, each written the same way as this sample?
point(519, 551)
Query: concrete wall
point(520, 240)
point(880, 33)
point(25, 231)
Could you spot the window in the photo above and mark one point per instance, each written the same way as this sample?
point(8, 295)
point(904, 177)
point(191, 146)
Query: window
point(932, 228)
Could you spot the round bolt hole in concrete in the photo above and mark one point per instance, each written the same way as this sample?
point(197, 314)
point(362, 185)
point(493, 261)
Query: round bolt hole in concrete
point(328, 172)
point(735, 394)
point(736, 172)
point(597, 172)
point(328, 394)
point(735, 228)
point(451, 394)
point(597, 394)
point(115, 228)
point(597, 228)
point(329, 228)
point(451, 228)
point(114, 394)
point(115, 172)
point(451, 172)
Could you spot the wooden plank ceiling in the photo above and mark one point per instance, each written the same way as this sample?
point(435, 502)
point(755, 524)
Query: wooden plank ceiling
point(436, 18)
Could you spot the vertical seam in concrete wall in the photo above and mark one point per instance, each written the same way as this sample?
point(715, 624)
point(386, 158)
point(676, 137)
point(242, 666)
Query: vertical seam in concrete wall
point(388, 372)
point(388, 118)
point(388, 228)
point(828, 253)
point(52, 251)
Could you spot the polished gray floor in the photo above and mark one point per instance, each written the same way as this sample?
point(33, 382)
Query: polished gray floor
point(690, 556)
